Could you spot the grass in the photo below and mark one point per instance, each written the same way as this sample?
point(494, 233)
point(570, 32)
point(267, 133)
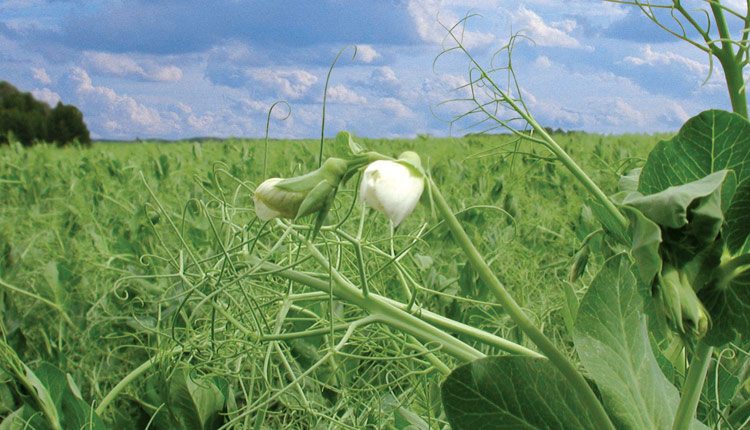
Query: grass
point(123, 254)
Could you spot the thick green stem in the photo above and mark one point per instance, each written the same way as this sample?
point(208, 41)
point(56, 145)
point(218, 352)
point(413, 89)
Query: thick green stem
point(691, 391)
point(735, 83)
point(557, 358)
point(124, 382)
point(730, 63)
point(561, 155)
point(403, 321)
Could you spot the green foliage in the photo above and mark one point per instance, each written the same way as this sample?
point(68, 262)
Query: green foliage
point(82, 239)
point(686, 187)
point(512, 392)
point(612, 341)
point(185, 402)
point(30, 121)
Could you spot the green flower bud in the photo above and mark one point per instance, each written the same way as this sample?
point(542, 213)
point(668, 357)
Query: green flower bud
point(683, 308)
point(299, 196)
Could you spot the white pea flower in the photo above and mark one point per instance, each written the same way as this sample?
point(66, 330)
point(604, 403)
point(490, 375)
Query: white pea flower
point(393, 187)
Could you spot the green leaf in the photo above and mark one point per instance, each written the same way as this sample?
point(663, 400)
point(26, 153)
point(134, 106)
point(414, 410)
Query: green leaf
point(711, 141)
point(512, 392)
point(671, 207)
point(687, 217)
point(191, 403)
point(645, 247)
point(738, 220)
point(345, 138)
point(629, 181)
point(74, 412)
point(17, 420)
point(729, 307)
point(613, 344)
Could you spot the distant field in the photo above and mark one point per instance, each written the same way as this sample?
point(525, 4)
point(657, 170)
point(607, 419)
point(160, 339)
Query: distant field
point(117, 253)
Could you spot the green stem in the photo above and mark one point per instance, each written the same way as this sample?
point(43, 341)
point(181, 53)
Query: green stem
point(691, 391)
point(730, 63)
point(437, 320)
point(374, 305)
point(557, 358)
point(730, 269)
point(558, 151)
point(124, 382)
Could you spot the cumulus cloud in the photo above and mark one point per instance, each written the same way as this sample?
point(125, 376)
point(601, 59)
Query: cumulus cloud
point(367, 54)
point(544, 34)
point(396, 107)
point(291, 83)
point(341, 94)
point(117, 114)
point(41, 75)
point(649, 57)
point(124, 65)
point(429, 18)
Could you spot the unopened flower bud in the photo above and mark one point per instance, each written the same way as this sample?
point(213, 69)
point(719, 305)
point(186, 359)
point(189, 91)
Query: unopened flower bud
point(683, 308)
point(301, 195)
point(272, 202)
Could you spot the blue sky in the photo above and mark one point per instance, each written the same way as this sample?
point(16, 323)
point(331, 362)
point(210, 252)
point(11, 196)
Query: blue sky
point(182, 68)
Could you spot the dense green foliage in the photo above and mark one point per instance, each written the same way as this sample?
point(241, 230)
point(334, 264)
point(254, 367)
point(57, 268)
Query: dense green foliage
point(28, 120)
point(97, 276)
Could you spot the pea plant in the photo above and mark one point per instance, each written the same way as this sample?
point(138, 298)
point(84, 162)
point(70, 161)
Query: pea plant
point(670, 302)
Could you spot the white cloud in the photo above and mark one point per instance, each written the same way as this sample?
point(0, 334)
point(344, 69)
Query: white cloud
point(293, 84)
point(396, 107)
point(739, 6)
point(650, 57)
point(41, 75)
point(342, 94)
point(542, 62)
point(367, 54)
point(124, 65)
point(623, 113)
point(429, 19)
point(118, 114)
point(544, 34)
point(46, 95)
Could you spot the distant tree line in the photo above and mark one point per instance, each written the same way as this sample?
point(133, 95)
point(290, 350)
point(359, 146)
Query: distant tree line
point(28, 120)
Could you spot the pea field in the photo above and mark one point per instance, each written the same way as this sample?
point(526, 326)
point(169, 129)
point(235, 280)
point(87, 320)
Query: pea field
point(133, 294)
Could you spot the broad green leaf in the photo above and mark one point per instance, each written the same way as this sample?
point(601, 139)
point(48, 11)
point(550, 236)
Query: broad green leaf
point(683, 218)
point(609, 223)
point(43, 396)
point(629, 181)
point(738, 220)
point(17, 420)
point(711, 141)
point(645, 247)
point(74, 412)
point(729, 308)
point(512, 392)
point(190, 403)
point(613, 344)
point(672, 206)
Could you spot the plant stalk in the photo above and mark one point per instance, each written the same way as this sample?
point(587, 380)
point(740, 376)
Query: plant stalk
point(730, 63)
point(691, 391)
point(401, 320)
point(557, 358)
